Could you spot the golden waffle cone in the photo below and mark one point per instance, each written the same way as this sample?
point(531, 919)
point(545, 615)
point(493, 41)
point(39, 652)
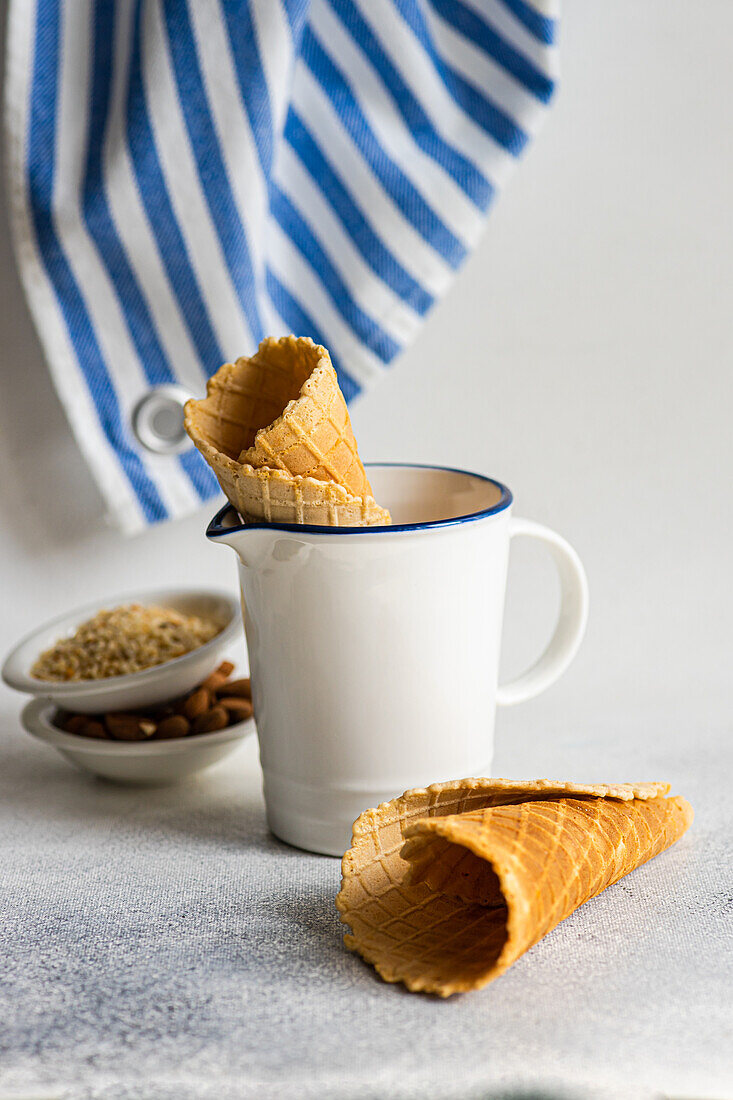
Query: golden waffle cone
point(276, 432)
point(445, 887)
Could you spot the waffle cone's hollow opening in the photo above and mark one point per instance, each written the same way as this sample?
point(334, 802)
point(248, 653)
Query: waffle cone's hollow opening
point(450, 868)
point(252, 393)
point(463, 911)
point(286, 366)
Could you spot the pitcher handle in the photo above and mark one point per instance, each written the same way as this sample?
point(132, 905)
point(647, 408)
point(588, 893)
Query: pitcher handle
point(571, 621)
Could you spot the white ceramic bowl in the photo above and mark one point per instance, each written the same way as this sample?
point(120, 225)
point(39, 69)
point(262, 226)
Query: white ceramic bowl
point(135, 689)
point(144, 763)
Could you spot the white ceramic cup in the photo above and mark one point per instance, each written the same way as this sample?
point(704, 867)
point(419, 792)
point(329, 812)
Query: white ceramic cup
point(374, 651)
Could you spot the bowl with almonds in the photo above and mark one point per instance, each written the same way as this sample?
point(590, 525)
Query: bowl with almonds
point(157, 744)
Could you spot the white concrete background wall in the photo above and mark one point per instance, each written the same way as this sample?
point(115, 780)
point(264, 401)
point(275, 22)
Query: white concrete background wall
point(583, 356)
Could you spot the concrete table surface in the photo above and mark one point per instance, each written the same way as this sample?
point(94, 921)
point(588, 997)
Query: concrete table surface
point(160, 943)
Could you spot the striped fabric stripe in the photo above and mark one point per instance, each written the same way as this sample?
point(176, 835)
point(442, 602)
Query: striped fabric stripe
point(191, 175)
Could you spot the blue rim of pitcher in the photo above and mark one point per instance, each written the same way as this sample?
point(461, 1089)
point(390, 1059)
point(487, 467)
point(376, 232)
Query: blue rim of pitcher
point(216, 528)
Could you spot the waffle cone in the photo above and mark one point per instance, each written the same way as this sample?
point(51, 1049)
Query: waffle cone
point(445, 887)
point(276, 432)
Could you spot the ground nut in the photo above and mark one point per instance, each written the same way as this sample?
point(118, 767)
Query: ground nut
point(214, 719)
point(197, 704)
point(123, 640)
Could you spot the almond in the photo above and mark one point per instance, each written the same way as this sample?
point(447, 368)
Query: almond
point(91, 727)
point(214, 719)
point(238, 709)
point(175, 725)
point(197, 703)
point(129, 727)
point(241, 688)
point(73, 723)
point(216, 680)
point(157, 714)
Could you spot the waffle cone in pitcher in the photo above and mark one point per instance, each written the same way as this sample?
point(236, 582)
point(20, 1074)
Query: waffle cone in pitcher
point(445, 887)
point(276, 432)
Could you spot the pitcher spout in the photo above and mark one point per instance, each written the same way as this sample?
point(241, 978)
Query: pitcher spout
point(251, 542)
point(228, 527)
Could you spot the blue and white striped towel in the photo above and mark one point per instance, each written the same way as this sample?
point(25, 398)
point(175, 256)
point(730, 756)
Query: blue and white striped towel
point(190, 175)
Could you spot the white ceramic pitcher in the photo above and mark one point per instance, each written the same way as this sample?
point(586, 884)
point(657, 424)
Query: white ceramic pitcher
point(374, 652)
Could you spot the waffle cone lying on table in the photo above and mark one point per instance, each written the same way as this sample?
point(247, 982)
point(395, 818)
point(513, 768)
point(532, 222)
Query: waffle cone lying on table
point(445, 887)
point(276, 432)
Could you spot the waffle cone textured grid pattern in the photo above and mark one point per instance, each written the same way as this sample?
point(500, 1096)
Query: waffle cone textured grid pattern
point(276, 431)
point(446, 887)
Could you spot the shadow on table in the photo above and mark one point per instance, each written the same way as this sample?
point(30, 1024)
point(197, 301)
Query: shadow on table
point(211, 809)
point(214, 808)
point(312, 909)
point(312, 912)
point(317, 936)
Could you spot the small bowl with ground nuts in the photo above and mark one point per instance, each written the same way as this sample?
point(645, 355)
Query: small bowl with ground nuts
point(135, 651)
point(153, 745)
